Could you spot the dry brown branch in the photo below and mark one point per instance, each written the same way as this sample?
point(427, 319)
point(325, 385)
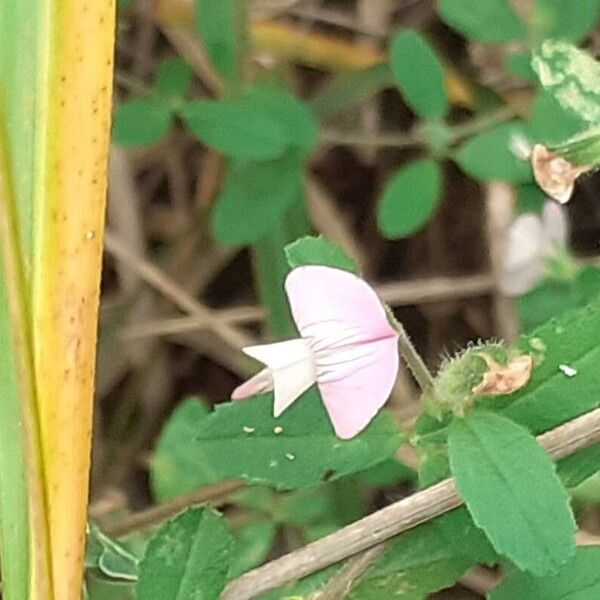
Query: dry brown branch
point(394, 519)
point(146, 519)
point(341, 583)
point(230, 336)
point(499, 207)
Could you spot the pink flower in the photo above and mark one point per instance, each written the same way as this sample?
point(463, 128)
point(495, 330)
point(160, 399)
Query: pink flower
point(346, 346)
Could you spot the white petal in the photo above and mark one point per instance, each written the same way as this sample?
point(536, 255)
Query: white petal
point(556, 226)
point(293, 369)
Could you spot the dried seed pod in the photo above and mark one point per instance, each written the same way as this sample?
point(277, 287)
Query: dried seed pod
point(554, 174)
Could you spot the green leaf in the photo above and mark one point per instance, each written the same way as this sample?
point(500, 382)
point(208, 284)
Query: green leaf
point(549, 299)
point(387, 473)
point(174, 77)
point(550, 123)
point(236, 128)
point(579, 579)
point(519, 63)
point(297, 450)
point(421, 561)
point(509, 485)
point(348, 90)
point(271, 268)
point(251, 547)
point(255, 198)
point(576, 468)
point(318, 250)
point(419, 74)
point(109, 556)
point(490, 156)
point(572, 76)
point(219, 24)
point(100, 588)
point(564, 19)
point(293, 116)
point(187, 557)
point(174, 470)
point(483, 21)
point(530, 198)
point(551, 397)
point(410, 198)
point(141, 122)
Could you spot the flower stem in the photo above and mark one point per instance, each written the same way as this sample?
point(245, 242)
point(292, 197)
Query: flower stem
point(413, 359)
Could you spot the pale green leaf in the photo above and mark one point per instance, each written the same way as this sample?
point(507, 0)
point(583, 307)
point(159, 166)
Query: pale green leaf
point(173, 470)
point(564, 19)
point(550, 123)
point(483, 20)
point(318, 250)
point(293, 116)
point(551, 397)
point(576, 468)
point(188, 557)
point(218, 23)
point(251, 546)
point(509, 485)
point(141, 122)
point(420, 562)
point(255, 198)
point(236, 128)
point(491, 155)
point(410, 198)
point(297, 450)
point(579, 579)
point(419, 74)
point(109, 556)
point(174, 77)
point(572, 76)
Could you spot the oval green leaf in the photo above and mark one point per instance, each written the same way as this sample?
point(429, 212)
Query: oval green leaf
point(255, 198)
point(410, 198)
point(490, 156)
point(511, 490)
point(174, 77)
point(419, 74)
point(141, 122)
point(483, 20)
point(236, 128)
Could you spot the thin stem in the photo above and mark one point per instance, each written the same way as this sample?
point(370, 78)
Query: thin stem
point(413, 359)
point(155, 515)
point(393, 519)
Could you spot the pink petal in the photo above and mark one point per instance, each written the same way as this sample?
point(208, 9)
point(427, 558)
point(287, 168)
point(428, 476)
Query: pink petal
point(331, 305)
point(261, 382)
point(356, 349)
point(361, 386)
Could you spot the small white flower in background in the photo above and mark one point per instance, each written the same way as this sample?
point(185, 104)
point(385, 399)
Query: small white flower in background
point(531, 241)
point(346, 346)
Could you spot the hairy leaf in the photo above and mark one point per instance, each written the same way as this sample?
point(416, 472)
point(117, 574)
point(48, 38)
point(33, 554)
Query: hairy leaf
point(578, 579)
point(318, 250)
point(188, 557)
point(297, 450)
point(509, 485)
